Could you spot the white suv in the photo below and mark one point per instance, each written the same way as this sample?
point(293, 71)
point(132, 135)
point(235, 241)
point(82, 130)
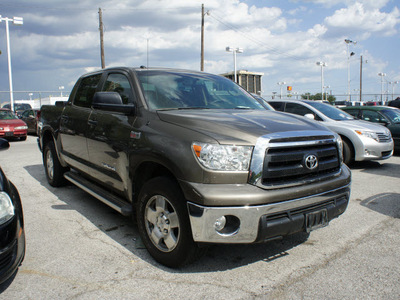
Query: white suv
point(361, 140)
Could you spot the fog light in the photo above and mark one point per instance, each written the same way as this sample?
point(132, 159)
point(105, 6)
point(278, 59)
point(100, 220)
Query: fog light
point(367, 152)
point(220, 223)
point(227, 225)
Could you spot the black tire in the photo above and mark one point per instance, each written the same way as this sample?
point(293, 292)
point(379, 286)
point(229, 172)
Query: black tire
point(23, 138)
point(347, 153)
point(164, 225)
point(53, 169)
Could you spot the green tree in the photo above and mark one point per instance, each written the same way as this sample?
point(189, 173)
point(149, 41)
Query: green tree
point(317, 96)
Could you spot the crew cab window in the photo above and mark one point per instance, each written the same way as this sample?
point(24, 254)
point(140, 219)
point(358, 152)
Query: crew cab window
point(87, 88)
point(119, 83)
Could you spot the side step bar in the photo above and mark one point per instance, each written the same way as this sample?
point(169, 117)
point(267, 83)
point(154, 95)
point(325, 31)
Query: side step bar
point(104, 196)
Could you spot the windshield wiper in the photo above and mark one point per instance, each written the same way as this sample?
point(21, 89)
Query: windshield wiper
point(193, 107)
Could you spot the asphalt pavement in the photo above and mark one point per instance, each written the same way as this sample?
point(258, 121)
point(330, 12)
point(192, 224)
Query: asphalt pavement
point(79, 248)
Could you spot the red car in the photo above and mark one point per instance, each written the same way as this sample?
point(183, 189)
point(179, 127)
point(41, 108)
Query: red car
point(11, 126)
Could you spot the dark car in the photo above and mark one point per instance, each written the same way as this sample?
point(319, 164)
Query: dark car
point(384, 115)
point(12, 234)
point(18, 107)
point(395, 102)
point(11, 126)
point(31, 118)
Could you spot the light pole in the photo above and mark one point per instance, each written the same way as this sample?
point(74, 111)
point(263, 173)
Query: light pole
point(322, 64)
point(348, 42)
point(61, 89)
point(16, 21)
point(382, 75)
point(281, 83)
point(326, 94)
point(234, 50)
point(393, 83)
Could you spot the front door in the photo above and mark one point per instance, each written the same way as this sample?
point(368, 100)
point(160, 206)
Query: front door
point(110, 137)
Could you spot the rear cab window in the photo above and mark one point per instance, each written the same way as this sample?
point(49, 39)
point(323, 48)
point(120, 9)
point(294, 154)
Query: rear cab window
point(86, 90)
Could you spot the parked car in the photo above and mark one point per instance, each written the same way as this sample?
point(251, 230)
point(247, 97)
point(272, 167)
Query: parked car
point(361, 140)
point(395, 102)
point(18, 107)
point(384, 115)
point(11, 126)
point(12, 234)
point(31, 117)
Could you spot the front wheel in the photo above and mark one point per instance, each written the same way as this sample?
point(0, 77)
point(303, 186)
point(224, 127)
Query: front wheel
point(164, 225)
point(347, 153)
point(53, 168)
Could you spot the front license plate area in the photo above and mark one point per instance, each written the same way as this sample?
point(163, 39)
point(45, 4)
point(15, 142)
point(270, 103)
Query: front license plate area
point(316, 219)
point(9, 133)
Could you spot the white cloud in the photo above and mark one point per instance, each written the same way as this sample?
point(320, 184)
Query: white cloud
point(357, 18)
point(276, 40)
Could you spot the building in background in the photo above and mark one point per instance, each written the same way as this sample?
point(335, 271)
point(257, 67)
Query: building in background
point(37, 103)
point(250, 81)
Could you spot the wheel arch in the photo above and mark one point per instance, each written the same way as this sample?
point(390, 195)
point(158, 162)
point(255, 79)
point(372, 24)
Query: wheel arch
point(348, 141)
point(146, 171)
point(47, 136)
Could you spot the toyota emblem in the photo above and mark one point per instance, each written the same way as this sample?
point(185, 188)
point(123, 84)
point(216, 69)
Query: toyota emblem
point(311, 162)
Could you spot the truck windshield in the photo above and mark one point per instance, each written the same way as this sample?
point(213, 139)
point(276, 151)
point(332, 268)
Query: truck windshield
point(169, 90)
point(330, 111)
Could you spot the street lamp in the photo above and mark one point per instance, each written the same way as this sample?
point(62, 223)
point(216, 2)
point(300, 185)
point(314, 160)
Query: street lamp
point(348, 42)
point(393, 83)
point(234, 50)
point(326, 94)
point(61, 88)
point(281, 83)
point(16, 21)
point(322, 64)
point(382, 75)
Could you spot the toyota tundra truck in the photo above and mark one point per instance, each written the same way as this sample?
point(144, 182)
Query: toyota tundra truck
point(194, 158)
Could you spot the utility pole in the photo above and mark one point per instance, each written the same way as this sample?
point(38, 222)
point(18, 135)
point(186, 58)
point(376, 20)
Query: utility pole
point(202, 39)
point(361, 63)
point(103, 64)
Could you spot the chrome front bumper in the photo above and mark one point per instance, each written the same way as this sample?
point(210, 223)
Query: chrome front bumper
point(249, 224)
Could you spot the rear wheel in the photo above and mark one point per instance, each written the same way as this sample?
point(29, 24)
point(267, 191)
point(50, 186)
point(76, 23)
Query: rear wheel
point(54, 170)
point(164, 224)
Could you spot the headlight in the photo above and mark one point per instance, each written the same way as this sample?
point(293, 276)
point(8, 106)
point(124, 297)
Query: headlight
point(339, 142)
point(1, 128)
point(369, 134)
point(6, 208)
point(21, 127)
point(223, 157)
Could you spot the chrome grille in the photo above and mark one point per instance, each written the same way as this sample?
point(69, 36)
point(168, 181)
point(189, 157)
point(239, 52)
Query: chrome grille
point(285, 165)
point(383, 138)
point(280, 160)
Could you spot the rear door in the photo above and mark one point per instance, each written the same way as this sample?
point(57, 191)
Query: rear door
point(74, 123)
point(110, 136)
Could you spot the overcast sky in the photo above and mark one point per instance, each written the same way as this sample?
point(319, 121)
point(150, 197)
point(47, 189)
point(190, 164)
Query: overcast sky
point(59, 41)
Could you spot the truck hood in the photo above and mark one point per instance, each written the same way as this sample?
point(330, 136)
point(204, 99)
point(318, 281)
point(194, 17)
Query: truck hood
point(238, 126)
